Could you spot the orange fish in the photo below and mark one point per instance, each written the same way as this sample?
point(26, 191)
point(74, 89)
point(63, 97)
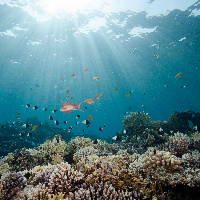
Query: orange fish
point(70, 106)
point(89, 101)
point(97, 78)
point(85, 70)
point(98, 95)
point(156, 56)
point(178, 75)
point(68, 91)
point(73, 75)
point(90, 117)
point(63, 79)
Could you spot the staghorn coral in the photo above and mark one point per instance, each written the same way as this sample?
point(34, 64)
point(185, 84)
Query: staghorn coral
point(178, 144)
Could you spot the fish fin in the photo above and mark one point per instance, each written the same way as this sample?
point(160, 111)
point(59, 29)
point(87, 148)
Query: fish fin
point(78, 106)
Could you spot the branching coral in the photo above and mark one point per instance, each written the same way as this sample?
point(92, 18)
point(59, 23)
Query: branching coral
point(178, 144)
point(10, 184)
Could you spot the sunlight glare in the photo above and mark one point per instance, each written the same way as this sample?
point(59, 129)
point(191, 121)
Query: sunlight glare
point(65, 6)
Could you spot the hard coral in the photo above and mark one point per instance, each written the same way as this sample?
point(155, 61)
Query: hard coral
point(178, 144)
point(11, 184)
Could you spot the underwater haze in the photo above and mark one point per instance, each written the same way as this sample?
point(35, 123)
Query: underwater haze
point(137, 55)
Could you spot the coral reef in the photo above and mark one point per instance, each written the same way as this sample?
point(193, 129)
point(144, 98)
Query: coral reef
point(148, 162)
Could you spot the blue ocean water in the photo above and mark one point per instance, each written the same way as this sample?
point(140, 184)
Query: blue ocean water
point(133, 50)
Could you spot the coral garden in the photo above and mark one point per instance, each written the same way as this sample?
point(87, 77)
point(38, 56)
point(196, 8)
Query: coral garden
point(149, 160)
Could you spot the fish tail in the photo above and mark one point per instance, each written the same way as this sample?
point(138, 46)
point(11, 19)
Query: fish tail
point(78, 106)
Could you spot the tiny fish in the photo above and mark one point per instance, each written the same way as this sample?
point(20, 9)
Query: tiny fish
point(68, 91)
point(127, 95)
point(44, 109)
point(86, 122)
point(90, 117)
point(56, 122)
point(98, 95)
point(116, 138)
point(50, 117)
point(53, 111)
point(73, 75)
point(27, 105)
point(85, 70)
point(29, 134)
point(101, 129)
point(35, 107)
point(26, 125)
point(97, 78)
point(34, 127)
point(178, 75)
point(89, 101)
point(18, 113)
point(65, 122)
point(77, 116)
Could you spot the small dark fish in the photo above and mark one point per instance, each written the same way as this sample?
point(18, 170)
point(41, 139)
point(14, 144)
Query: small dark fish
point(126, 113)
point(86, 122)
point(50, 117)
point(77, 123)
point(88, 126)
point(116, 138)
point(53, 111)
point(83, 130)
point(27, 105)
point(29, 134)
point(86, 108)
point(101, 129)
point(95, 141)
point(21, 134)
point(21, 139)
point(26, 125)
point(166, 85)
point(44, 109)
point(143, 106)
point(35, 107)
point(70, 127)
point(56, 122)
point(104, 125)
point(77, 116)
point(13, 123)
point(18, 113)
point(2, 126)
point(37, 85)
point(65, 122)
